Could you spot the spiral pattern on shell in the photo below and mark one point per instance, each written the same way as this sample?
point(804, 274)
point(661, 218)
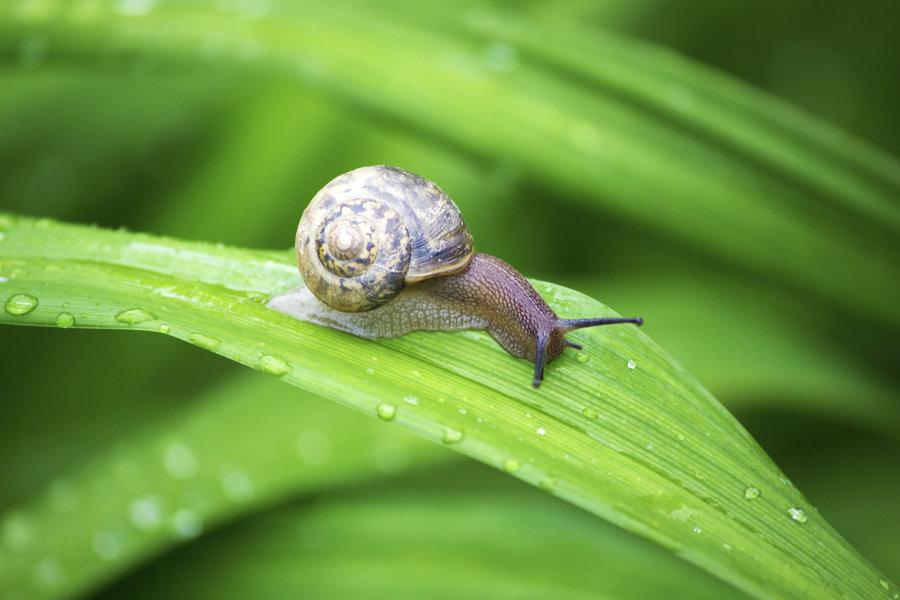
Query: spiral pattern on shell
point(372, 231)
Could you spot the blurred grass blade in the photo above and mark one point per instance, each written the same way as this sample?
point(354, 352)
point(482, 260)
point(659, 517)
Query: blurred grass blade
point(462, 533)
point(780, 362)
point(665, 167)
point(239, 448)
point(623, 431)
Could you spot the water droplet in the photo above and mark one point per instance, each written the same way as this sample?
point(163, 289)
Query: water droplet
point(680, 437)
point(582, 357)
point(273, 366)
point(145, 513)
point(236, 485)
point(798, 514)
point(696, 530)
point(135, 8)
point(884, 584)
point(17, 533)
point(726, 546)
point(20, 304)
point(204, 341)
point(511, 465)
point(106, 546)
point(49, 572)
point(65, 320)
point(163, 328)
point(463, 411)
point(411, 400)
point(370, 371)
point(187, 523)
point(751, 493)
point(547, 484)
point(452, 436)
point(134, 316)
point(631, 364)
point(540, 431)
point(682, 513)
point(385, 411)
point(314, 447)
point(180, 461)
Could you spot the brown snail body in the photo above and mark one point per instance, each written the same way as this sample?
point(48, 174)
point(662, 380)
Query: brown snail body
point(424, 277)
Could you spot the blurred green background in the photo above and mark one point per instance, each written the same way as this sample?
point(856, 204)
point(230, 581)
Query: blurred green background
point(122, 131)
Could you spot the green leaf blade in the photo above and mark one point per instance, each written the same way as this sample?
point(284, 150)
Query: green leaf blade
point(628, 435)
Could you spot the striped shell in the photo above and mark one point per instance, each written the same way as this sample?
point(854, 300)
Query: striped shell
point(370, 232)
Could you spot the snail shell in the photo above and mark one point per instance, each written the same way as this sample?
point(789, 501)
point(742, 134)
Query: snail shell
point(372, 231)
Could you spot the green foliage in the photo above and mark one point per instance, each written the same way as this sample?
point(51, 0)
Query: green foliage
point(759, 242)
point(621, 430)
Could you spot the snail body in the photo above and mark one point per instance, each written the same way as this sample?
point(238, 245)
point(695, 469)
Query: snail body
point(384, 252)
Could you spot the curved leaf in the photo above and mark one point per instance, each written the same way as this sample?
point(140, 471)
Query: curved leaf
point(241, 447)
point(449, 533)
point(623, 432)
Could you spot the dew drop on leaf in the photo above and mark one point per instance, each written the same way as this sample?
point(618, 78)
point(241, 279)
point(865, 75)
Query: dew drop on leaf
point(65, 320)
point(180, 461)
point(798, 514)
point(187, 523)
point(145, 513)
point(511, 465)
point(452, 436)
point(582, 357)
point(631, 364)
point(106, 546)
point(204, 341)
point(751, 493)
point(385, 411)
point(590, 413)
point(236, 484)
point(134, 316)
point(273, 366)
point(547, 484)
point(49, 572)
point(20, 304)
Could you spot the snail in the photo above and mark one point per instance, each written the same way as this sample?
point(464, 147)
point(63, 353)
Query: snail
point(384, 252)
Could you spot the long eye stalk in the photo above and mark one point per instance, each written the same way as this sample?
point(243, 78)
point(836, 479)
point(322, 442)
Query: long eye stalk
point(563, 326)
